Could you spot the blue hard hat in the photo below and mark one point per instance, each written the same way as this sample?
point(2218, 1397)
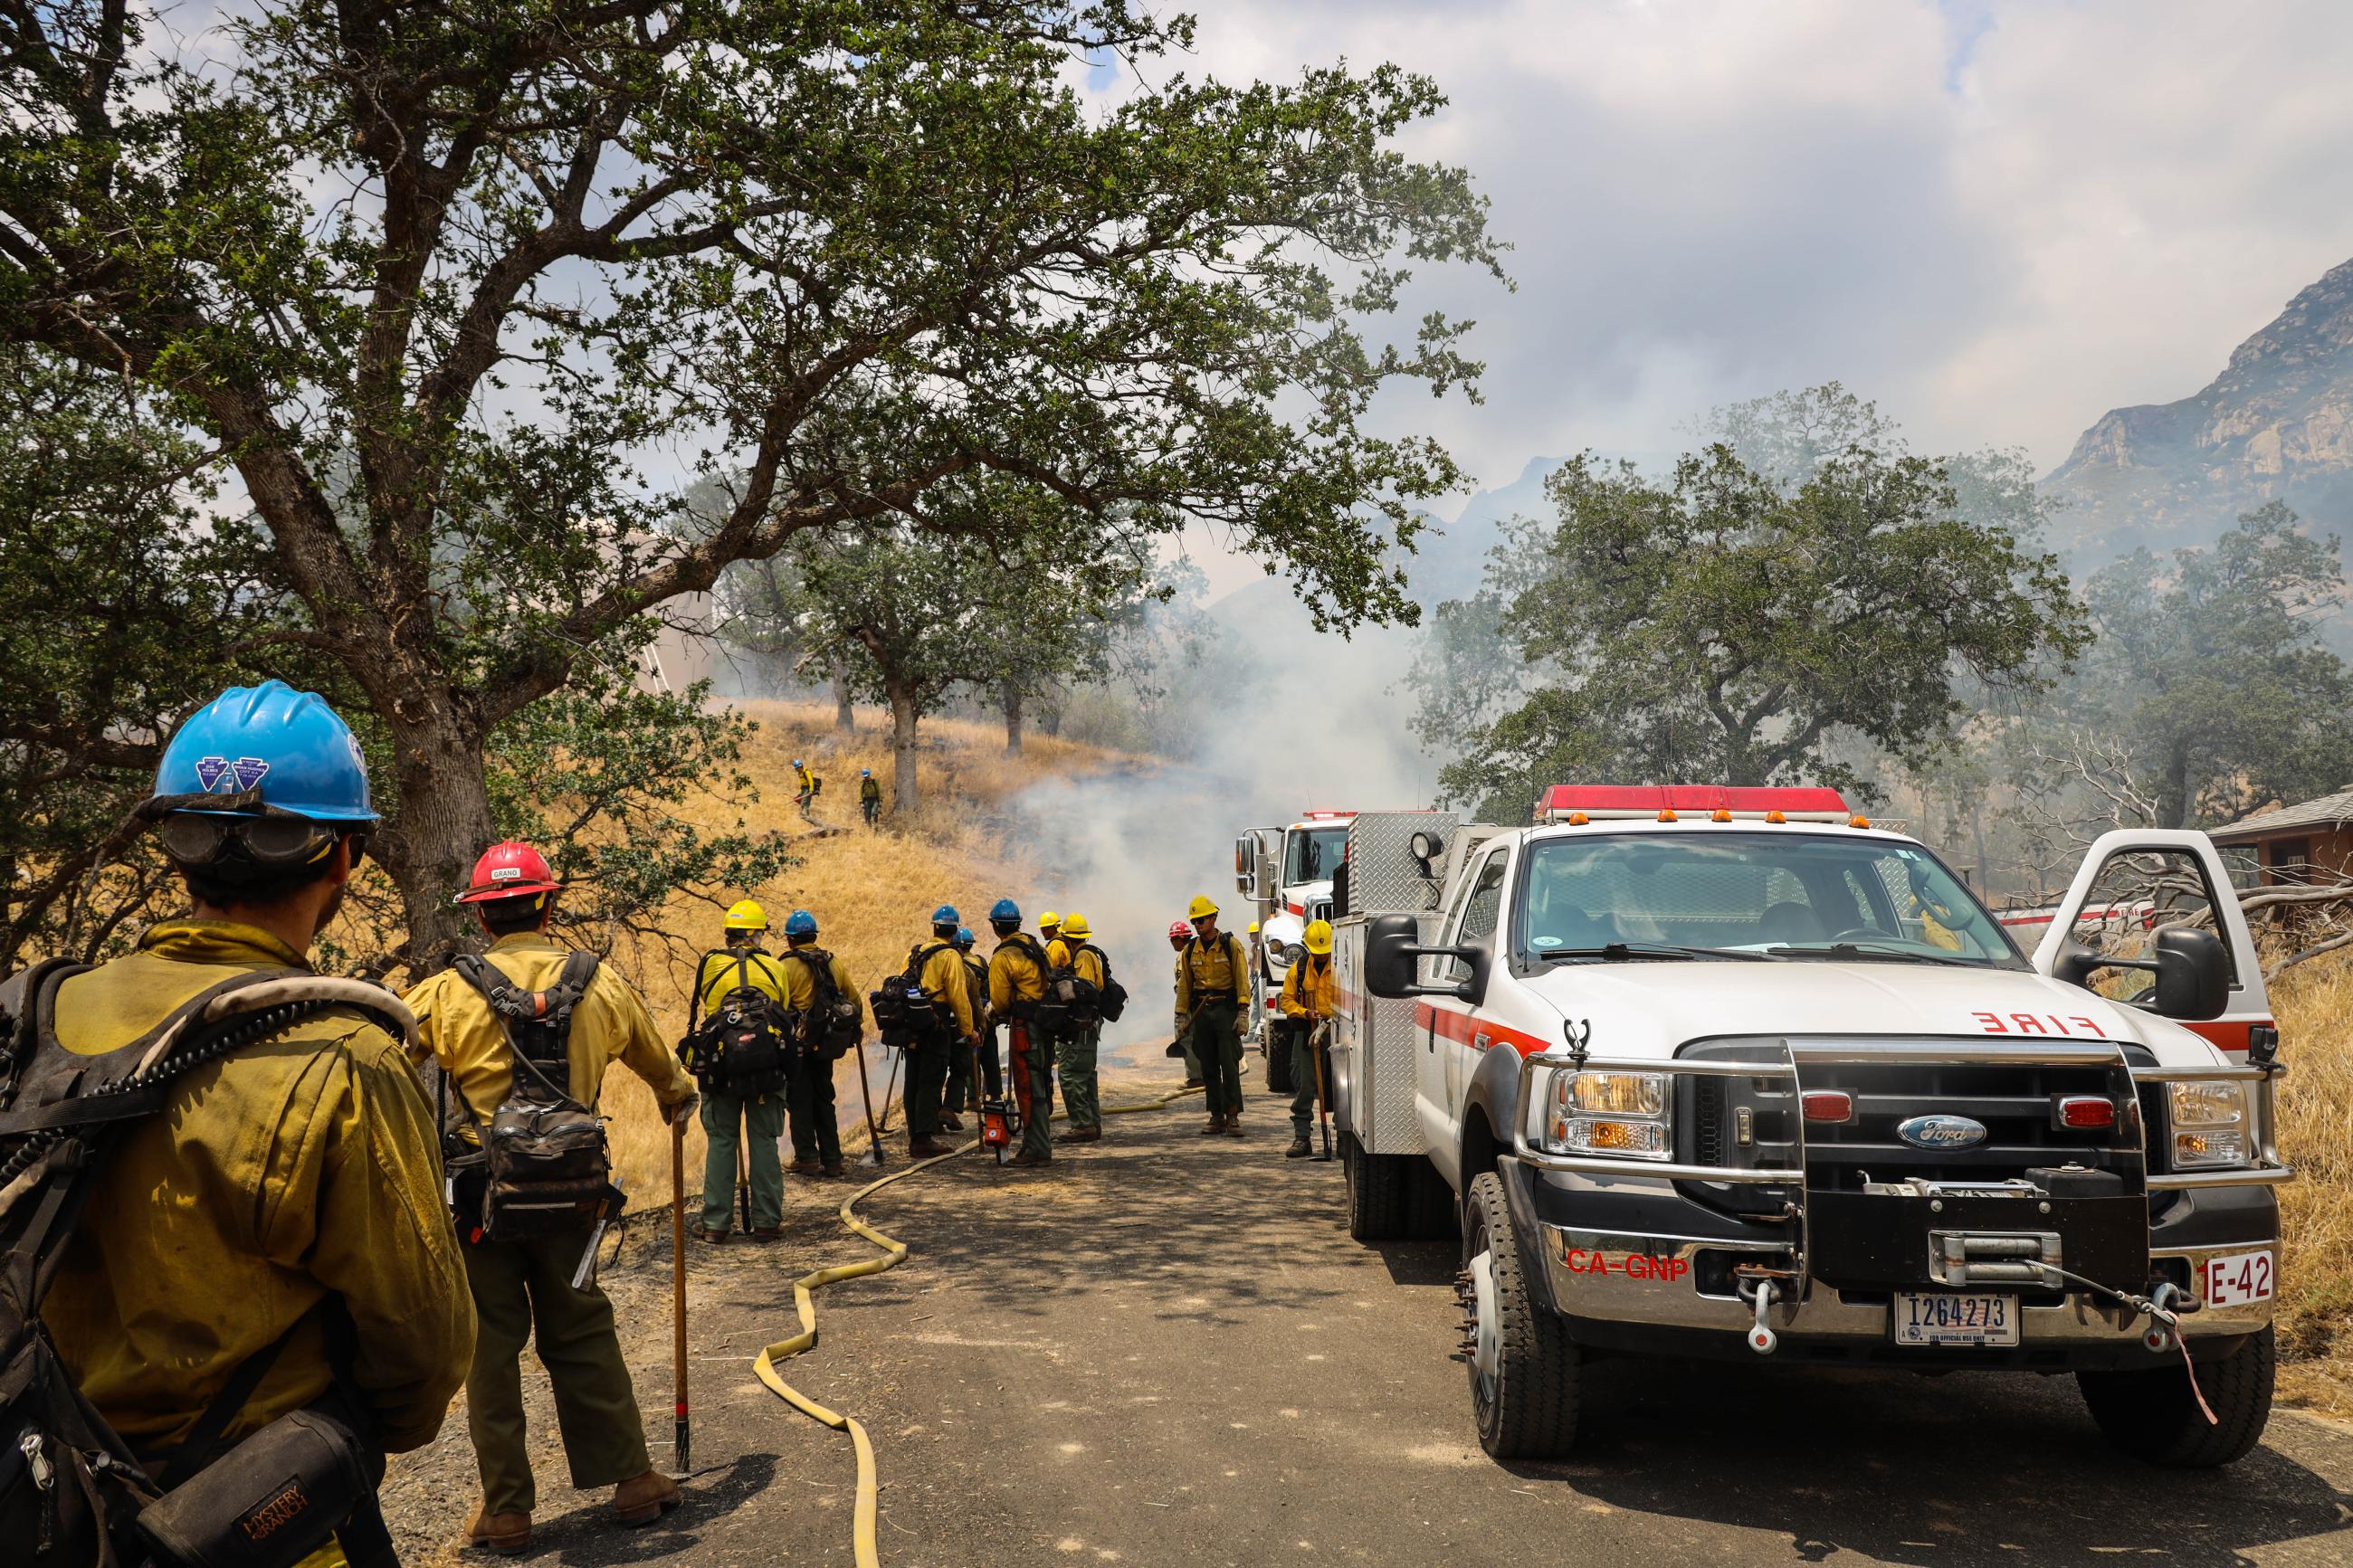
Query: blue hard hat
point(866, 773)
point(1005, 910)
point(944, 915)
point(800, 923)
point(964, 936)
point(288, 743)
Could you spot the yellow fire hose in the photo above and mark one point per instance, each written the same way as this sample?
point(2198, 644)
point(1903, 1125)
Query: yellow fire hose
point(894, 1252)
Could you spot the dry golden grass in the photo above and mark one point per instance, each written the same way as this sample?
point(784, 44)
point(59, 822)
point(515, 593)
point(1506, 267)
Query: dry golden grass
point(2313, 1004)
point(872, 892)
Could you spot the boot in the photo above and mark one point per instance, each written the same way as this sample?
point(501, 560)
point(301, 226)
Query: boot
point(832, 1168)
point(644, 1499)
point(805, 1168)
point(1234, 1125)
point(507, 1534)
point(1081, 1135)
point(1212, 1127)
point(1192, 1083)
point(1300, 1149)
point(1029, 1161)
point(924, 1149)
point(701, 1233)
point(767, 1233)
point(949, 1122)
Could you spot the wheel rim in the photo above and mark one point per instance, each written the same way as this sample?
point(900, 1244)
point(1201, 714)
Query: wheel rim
point(1484, 1331)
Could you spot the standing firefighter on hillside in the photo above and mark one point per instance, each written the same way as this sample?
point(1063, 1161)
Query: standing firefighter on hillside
point(252, 1269)
point(1078, 976)
point(869, 797)
point(1310, 997)
point(524, 1036)
point(737, 1057)
point(821, 1000)
point(1017, 984)
point(805, 786)
point(926, 1012)
point(1213, 985)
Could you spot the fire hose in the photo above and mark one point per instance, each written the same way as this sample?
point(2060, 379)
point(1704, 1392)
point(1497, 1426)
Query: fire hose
point(867, 1510)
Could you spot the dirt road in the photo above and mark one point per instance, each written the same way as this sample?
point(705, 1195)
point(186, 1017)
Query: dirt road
point(1165, 1351)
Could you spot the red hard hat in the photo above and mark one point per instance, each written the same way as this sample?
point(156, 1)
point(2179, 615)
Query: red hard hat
point(509, 870)
point(1179, 932)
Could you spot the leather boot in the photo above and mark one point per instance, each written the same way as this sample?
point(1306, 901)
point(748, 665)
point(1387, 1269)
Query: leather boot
point(924, 1149)
point(1300, 1148)
point(1234, 1126)
point(1212, 1127)
point(1081, 1135)
point(507, 1534)
point(1027, 1159)
point(644, 1499)
point(950, 1123)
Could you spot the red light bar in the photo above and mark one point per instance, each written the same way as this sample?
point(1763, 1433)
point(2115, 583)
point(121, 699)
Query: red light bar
point(2086, 1110)
point(1830, 1105)
point(1812, 803)
point(1327, 815)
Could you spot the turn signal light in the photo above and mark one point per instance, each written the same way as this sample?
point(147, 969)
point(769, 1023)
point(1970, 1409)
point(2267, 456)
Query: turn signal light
point(1776, 817)
point(1858, 821)
point(1666, 813)
point(2086, 1110)
point(1719, 814)
point(1577, 819)
point(1827, 1105)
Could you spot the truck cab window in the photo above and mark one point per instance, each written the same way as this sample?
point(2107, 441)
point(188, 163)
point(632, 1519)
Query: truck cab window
point(2134, 895)
point(1482, 906)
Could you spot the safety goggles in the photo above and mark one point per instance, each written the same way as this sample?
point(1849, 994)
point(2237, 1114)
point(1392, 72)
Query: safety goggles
point(195, 839)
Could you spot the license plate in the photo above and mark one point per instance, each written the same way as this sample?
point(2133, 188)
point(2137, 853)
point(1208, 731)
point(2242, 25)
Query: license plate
point(2234, 1278)
point(1955, 1319)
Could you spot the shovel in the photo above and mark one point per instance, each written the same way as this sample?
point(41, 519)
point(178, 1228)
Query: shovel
point(1317, 1046)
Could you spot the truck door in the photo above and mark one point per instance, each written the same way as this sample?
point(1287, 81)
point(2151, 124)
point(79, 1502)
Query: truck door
point(1451, 1038)
point(2133, 883)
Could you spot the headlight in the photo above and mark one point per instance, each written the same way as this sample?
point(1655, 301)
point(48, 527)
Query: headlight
point(1620, 1113)
point(2208, 1120)
point(1289, 953)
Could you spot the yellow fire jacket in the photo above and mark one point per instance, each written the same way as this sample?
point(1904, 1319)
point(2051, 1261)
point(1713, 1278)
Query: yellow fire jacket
point(294, 1172)
point(975, 975)
point(456, 1026)
point(721, 974)
point(800, 987)
point(1014, 974)
point(1213, 969)
point(1310, 990)
point(942, 980)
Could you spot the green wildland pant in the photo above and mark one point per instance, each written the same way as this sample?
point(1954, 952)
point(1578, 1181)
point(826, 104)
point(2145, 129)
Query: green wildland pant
point(927, 1079)
point(522, 1294)
point(1220, 1050)
point(816, 1121)
point(1032, 1063)
point(1304, 1077)
point(1074, 1055)
point(762, 1119)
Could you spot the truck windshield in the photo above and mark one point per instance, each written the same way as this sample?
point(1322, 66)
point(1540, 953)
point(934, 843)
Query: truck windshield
point(1312, 854)
point(1794, 895)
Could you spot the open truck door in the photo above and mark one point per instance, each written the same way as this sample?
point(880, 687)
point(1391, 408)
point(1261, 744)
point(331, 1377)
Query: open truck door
point(2134, 886)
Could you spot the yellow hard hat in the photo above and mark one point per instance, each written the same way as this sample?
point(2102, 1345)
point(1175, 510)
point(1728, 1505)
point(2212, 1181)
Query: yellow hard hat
point(1318, 936)
point(745, 915)
point(1048, 920)
point(1199, 907)
point(1074, 925)
point(1253, 930)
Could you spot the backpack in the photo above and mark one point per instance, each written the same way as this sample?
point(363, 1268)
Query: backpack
point(1021, 1008)
point(72, 1489)
point(903, 1011)
point(832, 1024)
point(543, 1167)
point(1073, 1001)
point(749, 1046)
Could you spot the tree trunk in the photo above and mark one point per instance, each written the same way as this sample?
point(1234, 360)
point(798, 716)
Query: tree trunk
point(443, 826)
point(1051, 720)
point(1010, 691)
point(1976, 827)
point(902, 749)
point(845, 719)
point(2174, 805)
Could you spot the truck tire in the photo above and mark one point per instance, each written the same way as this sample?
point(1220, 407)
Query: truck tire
point(1526, 1409)
point(1278, 1060)
point(1376, 1193)
point(2153, 1415)
point(1431, 1212)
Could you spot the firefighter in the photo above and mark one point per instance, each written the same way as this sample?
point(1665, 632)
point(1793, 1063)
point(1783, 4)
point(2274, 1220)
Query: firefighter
point(1075, 1048)
point(1050, 926)
point(523, 1290)
point(870, 797)
point(805, 786)
point(742, 965)
point(1309, 995)
point(939, 969)
point(282, 1215)
point(964, 1087)
point(1180, 933)
point(1017, 984)
point(1212, 986)
point(816, 1121)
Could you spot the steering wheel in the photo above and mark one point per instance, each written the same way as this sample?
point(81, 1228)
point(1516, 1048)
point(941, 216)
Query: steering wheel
point(1867, 933)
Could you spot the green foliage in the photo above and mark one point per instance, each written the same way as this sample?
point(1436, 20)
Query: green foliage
point(2210, 678)
point(1724, 627)
point(423, 289)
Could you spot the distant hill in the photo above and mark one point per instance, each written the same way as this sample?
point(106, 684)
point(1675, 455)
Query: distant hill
point(2276, 424)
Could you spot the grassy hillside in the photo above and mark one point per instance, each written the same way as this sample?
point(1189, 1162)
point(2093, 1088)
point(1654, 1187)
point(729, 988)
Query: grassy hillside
point(2315, 1007)
point(872, 892)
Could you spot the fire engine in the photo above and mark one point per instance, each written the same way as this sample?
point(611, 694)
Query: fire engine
point(1286, 874)
point(1719, 1072)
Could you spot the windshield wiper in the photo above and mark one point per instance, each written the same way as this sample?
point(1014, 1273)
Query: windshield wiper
point(1621, 951)
point(1885, 953)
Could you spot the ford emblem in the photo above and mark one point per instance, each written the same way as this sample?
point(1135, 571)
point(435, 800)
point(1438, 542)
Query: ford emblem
point(1941, 1132)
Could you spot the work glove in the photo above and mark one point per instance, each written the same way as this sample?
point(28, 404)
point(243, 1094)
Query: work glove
point(683, 1111)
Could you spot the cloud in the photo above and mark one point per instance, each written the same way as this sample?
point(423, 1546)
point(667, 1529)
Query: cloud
point(2000, 219)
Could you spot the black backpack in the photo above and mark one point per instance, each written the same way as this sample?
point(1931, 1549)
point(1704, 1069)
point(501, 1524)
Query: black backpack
point(72, 1489)
point(833, 1023)
point(542, 1166)
point(1073, 1001)
point(749, 1046)
point(903, 1011)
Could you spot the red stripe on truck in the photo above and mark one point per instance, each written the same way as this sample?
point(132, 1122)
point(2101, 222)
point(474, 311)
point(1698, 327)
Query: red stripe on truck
point(2230, 1034)
point(1464, 1028)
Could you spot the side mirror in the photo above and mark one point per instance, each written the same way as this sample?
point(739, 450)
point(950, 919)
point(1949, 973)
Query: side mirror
point(2193, 976)
point(1245, 865)
point(1392, 948)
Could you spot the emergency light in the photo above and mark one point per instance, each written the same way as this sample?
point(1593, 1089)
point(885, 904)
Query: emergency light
point(1578, 804)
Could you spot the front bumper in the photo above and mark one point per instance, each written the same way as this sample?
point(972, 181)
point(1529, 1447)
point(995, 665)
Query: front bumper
point(1635, 1267)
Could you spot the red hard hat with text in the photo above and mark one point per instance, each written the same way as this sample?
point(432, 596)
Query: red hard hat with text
point(509, 870)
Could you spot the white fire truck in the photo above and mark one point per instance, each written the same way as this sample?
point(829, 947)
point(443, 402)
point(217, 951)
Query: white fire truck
point(1726, 1072)
point(1286, 874)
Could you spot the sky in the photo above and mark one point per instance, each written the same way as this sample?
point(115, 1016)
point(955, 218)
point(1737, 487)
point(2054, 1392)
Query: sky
point(2000, 220)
